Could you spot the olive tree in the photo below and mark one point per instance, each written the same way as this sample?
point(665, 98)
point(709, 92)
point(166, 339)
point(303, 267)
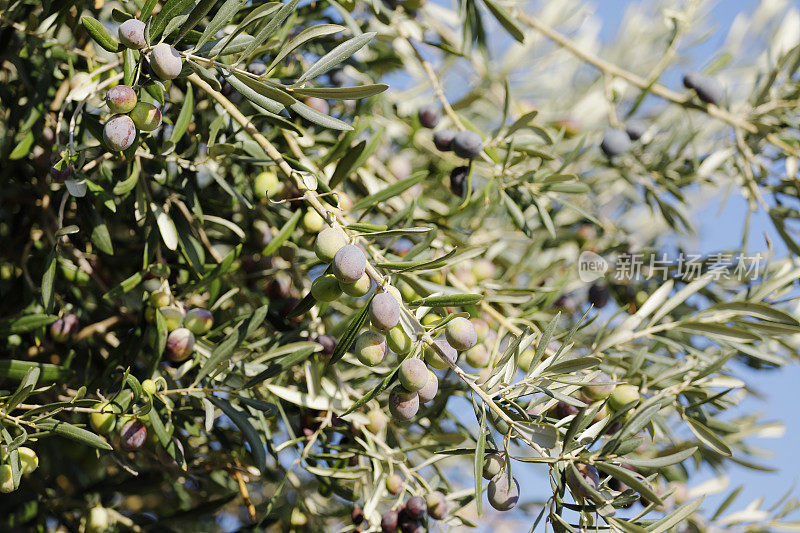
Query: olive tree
point(348, 265)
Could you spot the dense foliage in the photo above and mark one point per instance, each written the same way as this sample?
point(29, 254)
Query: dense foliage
point(340, 265)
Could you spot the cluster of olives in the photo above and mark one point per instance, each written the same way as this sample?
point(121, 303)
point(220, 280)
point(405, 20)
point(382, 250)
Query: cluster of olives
point(28, 461)
point(348, 265)
point(183, 326)
point(410, 516)
point(616, 141)
point(64, 329)
point(129, 115)
point(503, 491)
point(602, 391)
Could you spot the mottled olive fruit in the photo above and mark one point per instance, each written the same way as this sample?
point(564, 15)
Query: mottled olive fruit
point(622, 396)
point(467, 144)
point(493, 464)
point(398, 341)
point(413, 374)
point(564, 409)
point(635, 130)
point(6, 479)
point(131, 34)
point(478, 356)
point(318, 104)
point(435, 360)
point(503, 495)
point(443, 140)
point(313, 221)
point(267, 185)
point(390, 521)
point(589, 476)
point(328, 242)
point(199, 321)
point(119, 133)
point(326, 288)
point(28, 460)
point(615, 142)
point(602, 386)
point(458, 180)
point(598, 295)
point(370, 347)
point(349, 263)
point(173, 316)
point(408, 524)
point(160, 298)
point(384, 311)
point(133, 435)
point(357, 289)
point(709, 90)
point(98, 520)
point(257, 68)
point(403, 404)
point(461, 334)
point(180, 344)
point(64, 329)
point(104, 421)
point(394, 484)
point(146, 116)
point(328, 343)
point(165, 61)
point(121, 99)
point(431, 388)
point(526, 360)
point(429, 115)
point(376, 421)
point(416, 507)
point(437, 505)
point(149, 386)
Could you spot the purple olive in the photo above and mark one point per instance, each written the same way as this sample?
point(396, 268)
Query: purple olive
point(502, 495)
point(133, 434)
point(63, 329)
point(165, 61)
point(403, 404)
point(180, 344)
point(119, 133)
point(131, 34)
point(121, 99)
point(384, 311)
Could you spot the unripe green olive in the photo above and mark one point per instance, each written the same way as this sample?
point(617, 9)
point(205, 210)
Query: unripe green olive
point(326, 288)
point(407, 292)
point(403, 404)
point(413, 374)
point(328, 242)
point(435, 360)
point(173, 316)
point(503, 495)
point(160, 298)
point(146, 116)
point(149, 386)
point(357, 289)
point(461, 334)
point(526, 359)
point(394, 484)
point(478, 356)
point(119, 133)
point(165, 61)
point(493, 464)
point(313, 221)
point(370, 347)
point(376, 421)
point(6, 479)
point(267, 185)
point(384, 311)
point(28, 460)
point(430, 318)
point(398, 341)
point(103, 422)
point(622, 396)
point(199, 321)
point(428, 392)
point(121, 99)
